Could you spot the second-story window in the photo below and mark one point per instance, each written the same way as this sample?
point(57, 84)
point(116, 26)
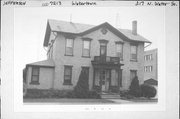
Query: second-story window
point(148, 57)
point(119, 50)
point(69, 47)
point(86, 48)
point(133, 53)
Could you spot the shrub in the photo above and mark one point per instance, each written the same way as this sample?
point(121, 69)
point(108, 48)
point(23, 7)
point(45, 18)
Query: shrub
point(97, 88)
point(124, 93)
point(114, 89)
point(94, 95)
point(134, 88)
point(148, 91)
point(70, 94)
point(82, 88)
point(44, 93)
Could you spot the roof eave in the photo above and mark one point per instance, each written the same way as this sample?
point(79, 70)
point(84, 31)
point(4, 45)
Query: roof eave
point(110, 27)
point(39, 66)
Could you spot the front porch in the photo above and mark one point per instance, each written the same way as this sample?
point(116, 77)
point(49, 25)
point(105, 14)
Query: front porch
point(107, 76)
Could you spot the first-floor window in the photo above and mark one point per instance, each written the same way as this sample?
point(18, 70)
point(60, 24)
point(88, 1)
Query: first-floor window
point(35, 75)
point(148, 69)
point(67, 75)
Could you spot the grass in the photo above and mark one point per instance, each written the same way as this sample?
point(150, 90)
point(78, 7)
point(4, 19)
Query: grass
point(140, 99)
point(68, 100)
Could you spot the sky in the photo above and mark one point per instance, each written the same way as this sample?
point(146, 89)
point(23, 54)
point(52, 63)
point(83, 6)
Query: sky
point(30, 25)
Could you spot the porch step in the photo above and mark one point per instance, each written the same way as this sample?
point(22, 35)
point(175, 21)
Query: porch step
point(110, 96)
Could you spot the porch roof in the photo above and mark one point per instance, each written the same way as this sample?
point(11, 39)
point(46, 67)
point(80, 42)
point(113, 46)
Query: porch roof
point(44, 63)
point(106, 65)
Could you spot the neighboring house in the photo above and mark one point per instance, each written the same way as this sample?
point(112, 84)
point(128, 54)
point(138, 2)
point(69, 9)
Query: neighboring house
point(151, 82)
point(111, 57)
point(150, 65)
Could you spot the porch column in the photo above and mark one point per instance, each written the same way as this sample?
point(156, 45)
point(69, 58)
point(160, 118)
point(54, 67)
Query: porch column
point(94, 70)
point(110, 79)
point(120, 77)
point(118, 70)
point(100, 77)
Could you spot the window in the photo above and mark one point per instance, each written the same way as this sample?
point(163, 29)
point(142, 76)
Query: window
point(103, 47)
point(134, 52)
point(86, 48)
point(35, 75)
point(148, 57)
point(67, 75)
point(148, 69)
point(119, 50)
point(69, 47)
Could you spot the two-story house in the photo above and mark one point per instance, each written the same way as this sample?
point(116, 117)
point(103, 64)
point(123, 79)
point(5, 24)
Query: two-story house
point(111, 57)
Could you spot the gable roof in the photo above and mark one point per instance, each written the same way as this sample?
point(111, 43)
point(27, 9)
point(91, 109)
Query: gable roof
point(81, 29)
point(43, 63)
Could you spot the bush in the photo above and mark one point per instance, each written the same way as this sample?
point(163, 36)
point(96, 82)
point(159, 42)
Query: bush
point(70, 94)
point(97, 88)
point(148, 91)
point(42, 93)
point(134, 88)
point(82, 88)
point(114, 89)
point(124, 93)
point(94, 95)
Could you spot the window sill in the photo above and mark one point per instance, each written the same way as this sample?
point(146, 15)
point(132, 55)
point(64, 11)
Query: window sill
point(67, 84)
point(34, 83)
point(133, 60)
point(68, 55)
point(86, 56)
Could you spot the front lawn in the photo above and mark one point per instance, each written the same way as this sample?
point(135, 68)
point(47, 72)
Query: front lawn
point(140, 99)
point(67, 101)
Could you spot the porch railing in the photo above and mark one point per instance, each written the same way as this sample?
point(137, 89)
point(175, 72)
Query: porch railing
point(107, 59)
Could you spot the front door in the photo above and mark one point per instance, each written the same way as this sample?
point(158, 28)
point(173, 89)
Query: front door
point(105, 78)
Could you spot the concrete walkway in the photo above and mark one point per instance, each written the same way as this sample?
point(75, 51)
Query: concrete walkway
point(120, 101)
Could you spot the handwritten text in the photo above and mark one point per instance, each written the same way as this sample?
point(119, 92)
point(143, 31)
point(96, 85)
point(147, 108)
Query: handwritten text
point(14, 3)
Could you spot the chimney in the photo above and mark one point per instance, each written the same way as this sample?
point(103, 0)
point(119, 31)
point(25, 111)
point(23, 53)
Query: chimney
point(134, 27)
